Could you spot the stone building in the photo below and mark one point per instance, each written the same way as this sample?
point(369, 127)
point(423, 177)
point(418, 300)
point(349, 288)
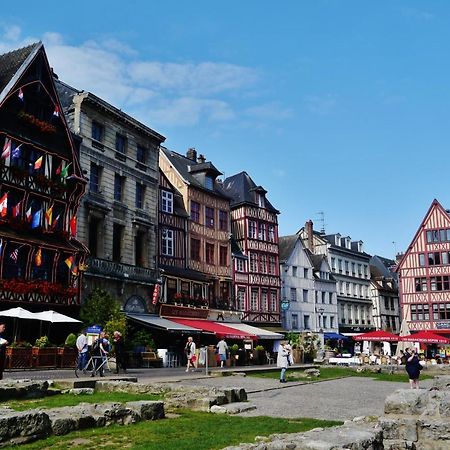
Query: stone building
point(118, 217)
point(254, 224)
point(41, 184)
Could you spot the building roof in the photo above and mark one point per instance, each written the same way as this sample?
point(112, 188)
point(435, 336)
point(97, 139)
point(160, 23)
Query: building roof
point(242, 189)
point(236, 250)
point(286, 245)
point(187, 168)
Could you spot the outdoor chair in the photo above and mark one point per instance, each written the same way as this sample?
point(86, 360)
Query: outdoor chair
point(270, 359)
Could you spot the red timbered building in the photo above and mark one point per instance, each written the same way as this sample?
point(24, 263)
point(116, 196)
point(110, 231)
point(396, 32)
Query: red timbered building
point(256, 269)
point(424, 274)
point(40, 188)
point(205, 277)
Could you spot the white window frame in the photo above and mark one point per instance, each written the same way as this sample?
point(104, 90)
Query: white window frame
point(167, 202)
point(167, 242)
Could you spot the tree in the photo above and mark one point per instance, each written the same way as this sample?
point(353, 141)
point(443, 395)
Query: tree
point(99, 308)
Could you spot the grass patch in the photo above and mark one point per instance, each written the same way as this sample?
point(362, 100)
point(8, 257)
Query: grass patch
point(56, 401)
point(330, 373)
point(191, 430)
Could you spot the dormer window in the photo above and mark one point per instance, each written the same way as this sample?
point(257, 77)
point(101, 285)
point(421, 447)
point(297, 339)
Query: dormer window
point(261, 200)
point(209, 182)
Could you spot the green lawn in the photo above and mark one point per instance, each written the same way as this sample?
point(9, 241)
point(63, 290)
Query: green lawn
point(329, 373)
point(189, 431)
point(56, 401)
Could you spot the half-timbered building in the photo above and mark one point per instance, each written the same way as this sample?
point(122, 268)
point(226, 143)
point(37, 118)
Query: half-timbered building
point(254, 224)
point(424, 273)
point(207, 275)
point(41, 185)
point(118, 216)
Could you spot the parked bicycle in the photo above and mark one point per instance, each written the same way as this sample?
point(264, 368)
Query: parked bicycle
point(96, 365)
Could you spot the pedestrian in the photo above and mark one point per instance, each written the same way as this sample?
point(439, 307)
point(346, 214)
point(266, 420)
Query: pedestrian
point(100, 349)
point(283, 361)
point(189, 351)
point(82, 347)
point(119, 349)
point(222, 349)
point(413, 367)
point(3, 344)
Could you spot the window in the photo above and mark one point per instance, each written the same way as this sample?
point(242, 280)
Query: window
point(167, 242)
point(270, 233)
point(305, 295)
point(241, 299)
point(261, 231)
point(261, 200)
point(273, 300)
point(98, 131)
point(253, 262)
point(306, 321)
point(434, 259)
point(421, 259)
point(140, 195)
point(340, 265)
point(331, 322)
point(420, 284)
point(294, 318)
point(195, 249)
point(272, 265)
point(346, 267)
point(121, 142)
point(239, 265)
point(209, 217)
point(94, 180)
point(263, 263)
point(252, 229)
point(209, 253)
point(293, 294)
point(305, 273)
point(195, 211)
point(141, 156)
point(118, 231)
point(323, 297)
point(254, 299)
point(167, 202)
point(140, 241)
point(223, 256)
point(209, 182)
point(353, 268)
point(360, 270)
point(118, 187)
point(333, 264)
point(264, 300)
point(294, 271)
point(223, 220)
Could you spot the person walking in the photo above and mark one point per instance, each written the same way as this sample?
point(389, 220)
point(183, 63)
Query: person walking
point(413, 367)
point(189, 351)
point(222, 349)
point(3, 344)
point(283, 361)
point(119, 349)
point(82, 347)
point(100, 349)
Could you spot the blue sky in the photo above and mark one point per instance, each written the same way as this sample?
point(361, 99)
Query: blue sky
point(340, 107)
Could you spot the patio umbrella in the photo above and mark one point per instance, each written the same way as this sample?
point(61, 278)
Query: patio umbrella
point(426, 337)
point(404, 331)
point(53, 317)
point(17, 313)
point(379, 335)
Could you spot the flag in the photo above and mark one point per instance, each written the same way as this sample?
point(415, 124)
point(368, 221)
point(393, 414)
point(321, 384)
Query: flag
point(155, 294)
point(65, 171)
point(36, 220)
point(16, 152)
point(71, 265)
point(38, 163)
point(4, 205)
point(20, 95)
point(6, 148)
point(16, 209)
point(28, 214)
point(38, 257)
point(1, 246)
point(56, 111)
point(58, 169)
point(55, 222)
point(73, 226)
point(48, 216)
point(14, 255)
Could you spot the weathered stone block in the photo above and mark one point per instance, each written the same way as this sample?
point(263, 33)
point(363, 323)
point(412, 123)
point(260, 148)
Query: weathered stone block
point(28, 424)
point(13, 389)
point(406, 401)
point(148, 410)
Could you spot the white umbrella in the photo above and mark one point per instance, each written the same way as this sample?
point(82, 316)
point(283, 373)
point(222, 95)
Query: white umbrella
point(404, 331)
point(18, 313)
point(54, 317)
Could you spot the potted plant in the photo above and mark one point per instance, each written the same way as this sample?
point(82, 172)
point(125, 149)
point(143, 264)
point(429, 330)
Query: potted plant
point(67, 354)
point(44, 353)
point(19, 355)
point(259, 355)
point(234, 354)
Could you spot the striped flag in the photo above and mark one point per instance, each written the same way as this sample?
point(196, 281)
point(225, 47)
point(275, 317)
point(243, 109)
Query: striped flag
point(56, 111)
point(16, 152)
point(16, 209)
point(14, 255)
point(55, 221)
point(58, 169)
point(6, 148)
point(48, 216)
point(73, 226)
point(20, 95)
point(28, 214)
point(38, 163)
point(65, 171)
point(4, 205)
point(36, 220)
point(38, 258)
point(1, 247)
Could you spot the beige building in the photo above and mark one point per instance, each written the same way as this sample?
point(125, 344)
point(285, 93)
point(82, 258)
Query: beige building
point(117, 218)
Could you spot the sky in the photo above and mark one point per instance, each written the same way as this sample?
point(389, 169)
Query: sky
point(340, 110)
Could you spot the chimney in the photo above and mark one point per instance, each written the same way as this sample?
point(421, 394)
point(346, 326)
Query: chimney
point(201, 159)
point(309, 235)
point(191, 154)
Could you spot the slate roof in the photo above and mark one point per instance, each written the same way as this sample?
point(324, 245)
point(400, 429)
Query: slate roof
point(236, 251)
point(11, 62)
point(241, 188)
point(187, 167)
point(286, 246)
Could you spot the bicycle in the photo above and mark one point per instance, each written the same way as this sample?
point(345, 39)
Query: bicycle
point(108, 363)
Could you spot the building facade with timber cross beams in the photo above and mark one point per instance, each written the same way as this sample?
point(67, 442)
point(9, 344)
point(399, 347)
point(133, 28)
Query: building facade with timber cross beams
point(41, 186)
point(118, 217)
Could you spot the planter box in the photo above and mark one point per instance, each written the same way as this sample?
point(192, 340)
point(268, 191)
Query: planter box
point(45, 357)
point(67, 357)
point(19, 358)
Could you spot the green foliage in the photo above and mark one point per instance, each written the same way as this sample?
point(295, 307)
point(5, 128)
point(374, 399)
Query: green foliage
point(142, 338)
point(234, 349)
point(116, 324)
point(43, 342)
point(71, 340)
point(20, 344)
point(99, 308)
point(259, 348)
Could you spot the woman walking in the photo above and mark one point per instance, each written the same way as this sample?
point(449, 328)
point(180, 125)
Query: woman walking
point(283, 361)
point(413, 367)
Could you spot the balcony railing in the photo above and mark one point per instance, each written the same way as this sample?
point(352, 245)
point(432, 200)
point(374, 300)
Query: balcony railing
point(120, 271)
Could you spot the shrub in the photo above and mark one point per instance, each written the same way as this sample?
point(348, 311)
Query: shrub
point(43, 342)
point(70, 341)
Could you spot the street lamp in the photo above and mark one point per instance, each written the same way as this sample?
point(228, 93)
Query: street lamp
point(320, 311)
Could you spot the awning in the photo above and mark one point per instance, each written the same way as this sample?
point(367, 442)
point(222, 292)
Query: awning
point(334, 336)
point(216, 328)
point(274, 329)
point(262, 334)
point(162, 324)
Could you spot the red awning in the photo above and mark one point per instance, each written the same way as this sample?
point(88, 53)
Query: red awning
point(426, 337)
point(379, 335)
point(213, 327)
